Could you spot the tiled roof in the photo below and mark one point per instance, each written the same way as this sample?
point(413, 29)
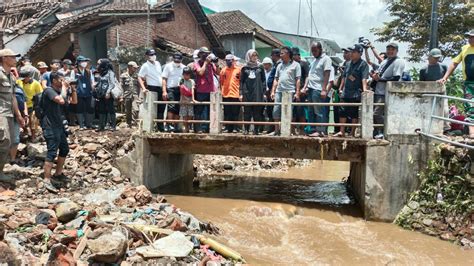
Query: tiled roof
point(97, 13)
point(19, 18)
point(236, 22)
point(167, 45)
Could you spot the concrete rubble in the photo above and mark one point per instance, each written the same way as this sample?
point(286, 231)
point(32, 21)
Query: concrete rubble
point(98, 217)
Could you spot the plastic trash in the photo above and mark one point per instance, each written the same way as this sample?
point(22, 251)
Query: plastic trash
point(101, 195)
point(175, 245)
point(221, 249)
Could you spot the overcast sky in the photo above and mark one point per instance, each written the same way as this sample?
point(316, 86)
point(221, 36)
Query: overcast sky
point(343, 20)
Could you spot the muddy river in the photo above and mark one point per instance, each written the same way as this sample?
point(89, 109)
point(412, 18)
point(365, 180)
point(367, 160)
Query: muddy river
point(306, 217)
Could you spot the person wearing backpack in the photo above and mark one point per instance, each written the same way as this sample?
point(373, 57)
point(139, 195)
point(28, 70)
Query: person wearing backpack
point(391, 69)
point(85, 103)
point(103, 94)
point(53, 121)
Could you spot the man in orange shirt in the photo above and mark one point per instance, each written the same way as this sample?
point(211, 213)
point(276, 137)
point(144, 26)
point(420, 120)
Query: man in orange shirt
point(230, 82)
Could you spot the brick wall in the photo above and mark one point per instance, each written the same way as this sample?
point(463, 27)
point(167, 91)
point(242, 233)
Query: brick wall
point(183, 30)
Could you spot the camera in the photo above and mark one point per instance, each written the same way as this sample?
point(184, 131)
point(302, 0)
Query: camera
point(213, 58)
point(364, 42)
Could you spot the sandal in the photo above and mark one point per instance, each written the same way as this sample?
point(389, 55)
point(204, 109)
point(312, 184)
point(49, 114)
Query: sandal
point(49, 186)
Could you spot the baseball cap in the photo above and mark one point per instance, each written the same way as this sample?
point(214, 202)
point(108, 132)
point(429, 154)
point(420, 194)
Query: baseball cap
point(469, 33)
point(393, 45)
point(436, 53)
point(204, 50)
point(150, 52)
point(41, 64)
point(82, 58)
point(67, 62)
point(24, 74)
point(357, 48)
point(267, 60)
point(133, 64)
point(8, 52)
point(275, 52)
point(177, 56)
point(346, 49)
point(56, 61)
point(187, 70)
point(230, 57)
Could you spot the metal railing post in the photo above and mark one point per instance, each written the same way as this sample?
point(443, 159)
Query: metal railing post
point(150, 111)
point(286, 113)
point(367, 115)
point(215, 113)
point(433, 107)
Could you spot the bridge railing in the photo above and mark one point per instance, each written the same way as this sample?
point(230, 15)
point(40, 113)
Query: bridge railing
point(216, 121)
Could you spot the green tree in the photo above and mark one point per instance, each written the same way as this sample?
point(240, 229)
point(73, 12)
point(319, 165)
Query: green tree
point(411, 24)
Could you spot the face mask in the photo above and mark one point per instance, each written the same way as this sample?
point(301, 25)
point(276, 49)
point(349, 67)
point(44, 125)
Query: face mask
point(83, 64)
point(152, 58)
point(228, 63)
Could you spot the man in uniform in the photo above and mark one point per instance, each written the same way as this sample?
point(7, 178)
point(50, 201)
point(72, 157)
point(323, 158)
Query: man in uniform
point(8, 106)
point(129, 81)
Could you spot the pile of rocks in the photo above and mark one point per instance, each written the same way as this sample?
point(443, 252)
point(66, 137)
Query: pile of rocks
point(98, 217)
point(125, 225)
point(443, 206)
point(208, 165)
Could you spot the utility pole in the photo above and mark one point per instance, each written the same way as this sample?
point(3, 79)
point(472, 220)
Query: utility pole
point(299, 16)
point(434, 25)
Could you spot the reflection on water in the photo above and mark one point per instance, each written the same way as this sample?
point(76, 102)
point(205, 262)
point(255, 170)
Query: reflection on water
point(286, 221)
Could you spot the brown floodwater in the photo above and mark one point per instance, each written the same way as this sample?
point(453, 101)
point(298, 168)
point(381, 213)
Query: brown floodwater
point(306, 217)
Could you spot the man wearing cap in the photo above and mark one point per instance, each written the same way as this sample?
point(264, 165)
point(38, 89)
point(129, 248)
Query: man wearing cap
point(230, 86)
point(300, 111)
point(85, 102)
point(42, 68)
point(275, 56)
point(150, 74)
point(205, 71)
point(354, 82)
point(27, 66)
point(31, 87)
point(317, 87)
point(129, 80)
point(391, 69)
point(172, 74)
point(434, 70)
point(67, 70)
point(8, 106)
point(45, 79)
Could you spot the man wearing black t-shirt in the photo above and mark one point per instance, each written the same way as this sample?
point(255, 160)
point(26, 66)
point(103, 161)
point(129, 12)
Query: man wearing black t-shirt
point(53, 101)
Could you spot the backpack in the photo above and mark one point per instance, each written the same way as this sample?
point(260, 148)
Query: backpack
point(38, 105)
point(20, 98)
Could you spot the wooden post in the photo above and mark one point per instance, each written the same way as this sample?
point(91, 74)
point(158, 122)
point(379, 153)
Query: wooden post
point(286, 113)
point(367, 115)
point(150, 111)
point(215, 115)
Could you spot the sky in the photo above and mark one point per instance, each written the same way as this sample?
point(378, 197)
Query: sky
point(341, 20)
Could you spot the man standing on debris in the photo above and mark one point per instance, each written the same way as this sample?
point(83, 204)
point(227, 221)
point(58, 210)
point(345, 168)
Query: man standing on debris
point(8, 107)
point(150, 74)
point(130, 92)
point(275, 56)
point(172, 73)
point(54, 131)
point(85, 103)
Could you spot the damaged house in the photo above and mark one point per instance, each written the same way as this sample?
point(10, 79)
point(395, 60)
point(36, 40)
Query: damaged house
point(96, 28)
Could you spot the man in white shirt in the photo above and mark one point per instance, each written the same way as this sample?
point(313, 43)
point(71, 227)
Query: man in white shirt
point(172, 74)
point(150, 74)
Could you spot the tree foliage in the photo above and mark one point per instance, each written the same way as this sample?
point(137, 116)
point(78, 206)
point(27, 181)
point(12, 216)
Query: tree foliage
point(411, 24)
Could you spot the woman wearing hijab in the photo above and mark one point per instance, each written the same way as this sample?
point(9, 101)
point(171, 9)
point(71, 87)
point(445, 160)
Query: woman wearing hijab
point(252, 89)
point(103, 94)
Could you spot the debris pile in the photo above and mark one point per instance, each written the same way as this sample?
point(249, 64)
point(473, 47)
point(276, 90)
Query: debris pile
point(443, 206)
point(208, 165)
point(97, 217)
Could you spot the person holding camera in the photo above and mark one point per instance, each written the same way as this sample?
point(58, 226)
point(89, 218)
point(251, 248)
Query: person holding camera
point(391, 69)
point(379, 56)
point(54, 125)
point(205, 71)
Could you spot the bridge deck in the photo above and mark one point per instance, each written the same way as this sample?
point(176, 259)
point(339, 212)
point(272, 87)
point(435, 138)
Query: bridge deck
point(301, 147)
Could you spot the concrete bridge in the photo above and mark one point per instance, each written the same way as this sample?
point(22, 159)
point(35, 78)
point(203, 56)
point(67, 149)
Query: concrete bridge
point(382, 174)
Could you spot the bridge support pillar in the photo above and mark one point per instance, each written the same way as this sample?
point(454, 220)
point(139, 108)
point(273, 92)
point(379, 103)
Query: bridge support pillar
point(155, 170)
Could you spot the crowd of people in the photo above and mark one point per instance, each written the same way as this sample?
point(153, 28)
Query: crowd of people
point(78, 92)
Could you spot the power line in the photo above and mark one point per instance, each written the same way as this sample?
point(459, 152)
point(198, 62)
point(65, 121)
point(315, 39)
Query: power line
point(312, 18)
